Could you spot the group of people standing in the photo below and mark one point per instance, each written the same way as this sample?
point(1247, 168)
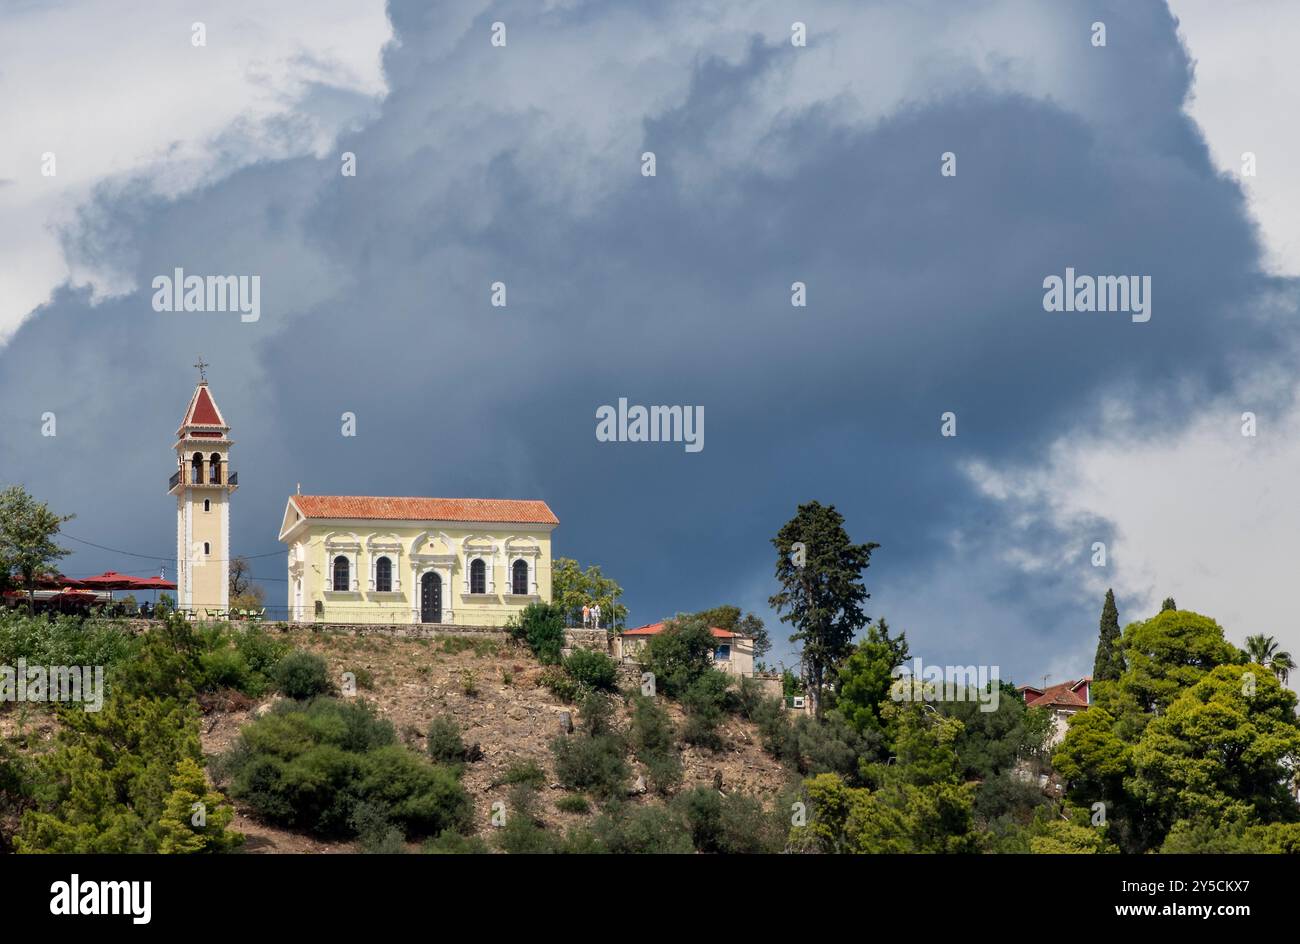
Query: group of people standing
point(591, 616)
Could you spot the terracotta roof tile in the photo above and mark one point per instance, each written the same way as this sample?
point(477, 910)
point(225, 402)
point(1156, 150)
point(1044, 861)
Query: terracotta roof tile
point(492, 510)
point(652, 629)
point(1061, 694)
point(202, 410)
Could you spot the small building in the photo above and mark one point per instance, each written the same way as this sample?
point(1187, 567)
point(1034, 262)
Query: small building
point(1062, 700)
point(468, 561)
point(732, 652)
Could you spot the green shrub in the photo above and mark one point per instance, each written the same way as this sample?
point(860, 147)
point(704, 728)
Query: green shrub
point(573, 803)
point(705, 700)
point(118, 780)
point(311, 765)
point(301, 675)
point(595, 758)
point(526, 772)
point(260, 649)
point(541, 627)
point(643, 829)
point(679, 654)
point(652, 739)
point(225, 668)
point(592, 669)
point(731, 824)
point(562, 685)
point(523, 832)
point(445, 744)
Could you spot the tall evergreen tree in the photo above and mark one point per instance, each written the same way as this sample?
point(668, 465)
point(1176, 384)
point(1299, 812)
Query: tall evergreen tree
point(821, 594)
point(1169, 604)
point(1108, 666)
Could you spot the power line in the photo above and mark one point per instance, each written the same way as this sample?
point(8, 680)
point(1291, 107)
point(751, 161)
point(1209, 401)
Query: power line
point(169, 556)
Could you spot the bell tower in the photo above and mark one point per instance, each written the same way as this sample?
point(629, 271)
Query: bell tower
point(203, 483)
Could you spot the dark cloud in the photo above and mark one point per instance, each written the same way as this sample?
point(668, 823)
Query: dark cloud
point(924, 296)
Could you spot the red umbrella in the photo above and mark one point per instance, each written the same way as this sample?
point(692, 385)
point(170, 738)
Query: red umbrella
point(154, 583)
point(112, 580)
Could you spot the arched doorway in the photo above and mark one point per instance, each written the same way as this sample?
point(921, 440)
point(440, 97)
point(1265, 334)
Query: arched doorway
point(431, 598)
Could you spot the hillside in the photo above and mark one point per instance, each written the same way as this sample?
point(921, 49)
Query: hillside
point(509, 715)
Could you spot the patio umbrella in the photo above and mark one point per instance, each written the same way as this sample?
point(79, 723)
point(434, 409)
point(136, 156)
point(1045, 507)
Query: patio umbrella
point(155, 584)
point(111, 580)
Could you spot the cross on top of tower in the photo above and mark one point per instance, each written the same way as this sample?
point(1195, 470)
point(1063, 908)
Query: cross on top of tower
point(202, 365)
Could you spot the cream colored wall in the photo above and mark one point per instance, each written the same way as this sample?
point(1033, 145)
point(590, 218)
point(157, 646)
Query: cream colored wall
point(426, 545)
point(628, 649)
point(209, 574)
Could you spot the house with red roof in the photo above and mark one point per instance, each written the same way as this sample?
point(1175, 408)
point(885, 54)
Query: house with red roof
point(732, 652)
point(1062, 700)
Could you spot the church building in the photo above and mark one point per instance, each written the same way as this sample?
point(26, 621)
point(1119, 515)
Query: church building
point(203, 484)
point(468, 561)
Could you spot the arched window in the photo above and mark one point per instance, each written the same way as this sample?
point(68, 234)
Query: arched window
point(478, 576)
point(519, 578)
point(207, 504)
point(207, 548)
point(341, 573)
point(214, 469)
point(384, 575)
point(196, 469)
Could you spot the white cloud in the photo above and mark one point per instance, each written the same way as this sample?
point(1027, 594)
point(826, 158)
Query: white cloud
point(1245, 97)
point(119, 91)
point(1206, 516)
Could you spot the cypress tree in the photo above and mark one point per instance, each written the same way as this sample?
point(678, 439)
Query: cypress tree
point(1109, 663)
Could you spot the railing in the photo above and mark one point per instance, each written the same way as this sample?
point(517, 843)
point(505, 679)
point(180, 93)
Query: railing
point(182, 477)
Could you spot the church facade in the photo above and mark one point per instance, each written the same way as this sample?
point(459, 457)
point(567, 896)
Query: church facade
point(467, 561)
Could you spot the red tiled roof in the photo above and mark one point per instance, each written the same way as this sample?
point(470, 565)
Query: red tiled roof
point(499, 510)
point(1062, 695)
point(652, 628)
point(202, 410)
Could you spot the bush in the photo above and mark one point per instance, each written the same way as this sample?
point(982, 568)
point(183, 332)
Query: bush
point(541, 627)
point(444, 743)
point(523, 832)
point(729, 824)
point(573, 803)
point(120, 780)
point(529, 773)
point(334, 767)
point(643, 829)
point(594, 759)
point(592, 669)
point(301, 675)
point(679, 654)
point(705, 701)
point(652, 738)
point(561, 685)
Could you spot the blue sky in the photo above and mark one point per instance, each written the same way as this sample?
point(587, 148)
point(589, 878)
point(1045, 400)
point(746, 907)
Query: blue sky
point(775, 164)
